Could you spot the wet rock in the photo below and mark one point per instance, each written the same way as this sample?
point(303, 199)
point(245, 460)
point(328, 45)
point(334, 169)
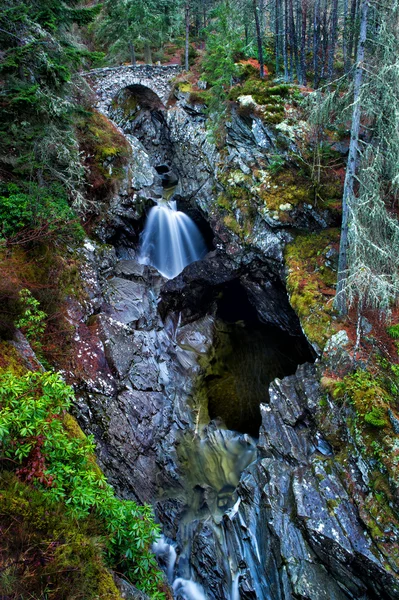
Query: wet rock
point(271, 303)
point(136, 407)
point(129, 302)
point(336, 355)
point(294, 530)
point(295, 498)
point(128, 591)
point(25, 352)
point(195, 290)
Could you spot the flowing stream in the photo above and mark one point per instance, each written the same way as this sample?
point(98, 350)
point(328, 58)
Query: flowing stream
point(212, 462)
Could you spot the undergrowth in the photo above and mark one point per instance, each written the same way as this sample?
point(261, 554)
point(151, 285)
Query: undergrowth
point(59, 464)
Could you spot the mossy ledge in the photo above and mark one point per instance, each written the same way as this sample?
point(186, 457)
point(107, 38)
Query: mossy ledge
point(311, 283)
point(51, 554)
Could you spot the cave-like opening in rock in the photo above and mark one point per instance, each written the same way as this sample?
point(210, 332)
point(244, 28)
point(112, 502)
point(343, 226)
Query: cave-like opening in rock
point(247, 356)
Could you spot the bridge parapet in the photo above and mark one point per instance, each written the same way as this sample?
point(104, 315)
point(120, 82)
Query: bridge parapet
point(108, 81)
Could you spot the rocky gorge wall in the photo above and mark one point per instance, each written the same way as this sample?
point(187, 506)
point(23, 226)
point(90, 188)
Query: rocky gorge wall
point(291, 527)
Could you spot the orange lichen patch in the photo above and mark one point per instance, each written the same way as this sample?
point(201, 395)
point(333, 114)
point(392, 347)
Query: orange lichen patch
point(253, 62)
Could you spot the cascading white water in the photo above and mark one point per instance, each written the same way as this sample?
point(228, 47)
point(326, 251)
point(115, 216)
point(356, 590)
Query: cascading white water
point(213, 462)
point(170, 240)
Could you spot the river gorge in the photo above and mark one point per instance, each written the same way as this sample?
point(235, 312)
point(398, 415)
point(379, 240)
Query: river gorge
point(197, 380)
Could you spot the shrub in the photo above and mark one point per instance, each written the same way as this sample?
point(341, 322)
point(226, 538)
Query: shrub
point(49, 554)
point(393, 331)
point(61, 465)
point(376, 417)
point(32, 318)
point(34, 213)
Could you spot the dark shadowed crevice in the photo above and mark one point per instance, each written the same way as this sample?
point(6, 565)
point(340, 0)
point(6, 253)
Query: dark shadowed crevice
point(247, 356)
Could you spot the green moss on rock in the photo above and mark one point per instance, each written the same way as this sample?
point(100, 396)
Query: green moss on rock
point(310, 283)
point(10, 359)
point(49, 554)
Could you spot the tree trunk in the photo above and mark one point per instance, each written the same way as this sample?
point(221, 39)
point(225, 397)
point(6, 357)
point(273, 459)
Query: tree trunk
point(147, 54)
point(302, 61)
point(187, 17)
point(293, 44)
point(345, 38)
point(333, 39)
point(309, 40)
point(277, 34)
point(259, 39)
point(349, 186)
point(316, 43)
point(132, 54)
point(324, 41)
point(285, 41)
point(352, 25)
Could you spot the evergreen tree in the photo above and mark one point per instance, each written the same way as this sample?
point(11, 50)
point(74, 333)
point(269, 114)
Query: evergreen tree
point(126, 26)
point(39, 56)
point(223, 45)
point(373, 237)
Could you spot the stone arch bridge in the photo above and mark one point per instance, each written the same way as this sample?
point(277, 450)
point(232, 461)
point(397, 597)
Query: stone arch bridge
point(109, 81)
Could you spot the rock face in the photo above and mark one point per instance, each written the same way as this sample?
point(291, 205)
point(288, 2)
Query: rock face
point(203, 280)
point(291, 529)
point(275, 522)
point(305, 538)
point(137, 402)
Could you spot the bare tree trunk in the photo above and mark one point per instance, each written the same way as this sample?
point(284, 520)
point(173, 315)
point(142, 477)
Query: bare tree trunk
point(259, 39)
point(324, 39)
point(285, 41)
point(147, 54)
point(132, 54)
point(309, 40)
point(316, 43)
point(293, 41)
point(345, 38)
point(352, 29)
point(351, 168)
point(277, 34)
point(187, 17)
point(333, 39)
point(302, 61)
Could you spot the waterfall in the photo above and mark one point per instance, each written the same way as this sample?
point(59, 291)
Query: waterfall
point(170, 240)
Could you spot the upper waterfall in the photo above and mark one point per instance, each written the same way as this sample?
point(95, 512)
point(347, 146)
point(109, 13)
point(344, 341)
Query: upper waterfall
point(170, 240)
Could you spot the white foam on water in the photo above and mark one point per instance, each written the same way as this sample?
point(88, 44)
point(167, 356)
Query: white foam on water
point(188, 589)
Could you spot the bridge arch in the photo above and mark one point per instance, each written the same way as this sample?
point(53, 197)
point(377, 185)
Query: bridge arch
point(144, 96)
point(109, 82)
